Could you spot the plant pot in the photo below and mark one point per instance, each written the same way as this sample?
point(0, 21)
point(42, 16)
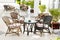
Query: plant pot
point(23, 7)
point(32, 10)
point(55, 25)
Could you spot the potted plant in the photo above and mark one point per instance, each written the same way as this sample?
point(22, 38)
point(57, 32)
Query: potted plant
point(31, 4)
point(23, 6)
point(18, 1)
point(42, 9)
point(55, 13)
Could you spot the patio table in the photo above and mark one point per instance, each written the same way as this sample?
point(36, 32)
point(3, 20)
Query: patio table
point(30, 24)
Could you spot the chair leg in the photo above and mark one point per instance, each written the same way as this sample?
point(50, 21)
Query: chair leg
point(24, 29)
point(17, 34)
point(34, 30)
point(7, 32)
point(41, 31)
point(31, 29)
point(20, 29)
point(49, 31)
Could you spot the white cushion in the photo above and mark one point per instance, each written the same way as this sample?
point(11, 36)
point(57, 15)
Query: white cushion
point(11, 26)
point(14, 25)
point(21, 18)
point(39, 24)
point(11, 21)
point(45, 25)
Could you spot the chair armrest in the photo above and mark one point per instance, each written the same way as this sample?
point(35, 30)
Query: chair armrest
point(15, 21)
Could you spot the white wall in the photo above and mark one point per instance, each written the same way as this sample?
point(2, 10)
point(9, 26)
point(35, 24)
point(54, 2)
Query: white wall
point(56, 3)
point(36, 9)
point(7, 1)
point(45, 2)
point(12, 4)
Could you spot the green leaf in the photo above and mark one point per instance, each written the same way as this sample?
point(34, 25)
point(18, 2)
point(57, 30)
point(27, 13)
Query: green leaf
point(55, 13)
point(42, 8)
point(30, 3)
point(18, 1)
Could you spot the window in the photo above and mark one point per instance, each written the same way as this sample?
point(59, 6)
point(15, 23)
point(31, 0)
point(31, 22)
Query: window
point(53, 3)
point(59, 4)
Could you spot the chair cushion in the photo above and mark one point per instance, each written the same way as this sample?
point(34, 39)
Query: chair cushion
point(21, 20)
point(39, 24)
point(11, 21)
point(14, 25)
point(15, 20)
point(45, 25)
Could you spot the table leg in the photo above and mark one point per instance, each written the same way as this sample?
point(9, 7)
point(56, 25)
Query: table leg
point(27, 31)
point(24, 29)
point(31, 29)
point(35, 29)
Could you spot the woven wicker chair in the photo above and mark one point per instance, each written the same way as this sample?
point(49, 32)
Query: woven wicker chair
point(43, 25)
point(15, 15)
point(9, 7)
point(11, 25)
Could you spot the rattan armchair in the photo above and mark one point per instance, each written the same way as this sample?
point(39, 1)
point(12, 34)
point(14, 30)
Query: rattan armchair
point(43, 25)
point(17, 18)
point(9, 8)
point(11, 25)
